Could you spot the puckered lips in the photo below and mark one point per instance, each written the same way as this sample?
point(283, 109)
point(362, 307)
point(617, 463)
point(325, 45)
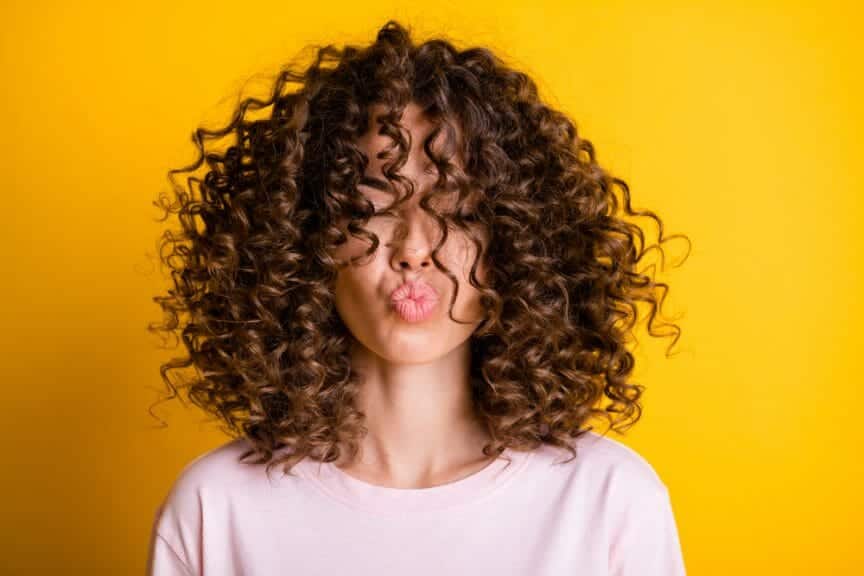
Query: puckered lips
point(414, 300)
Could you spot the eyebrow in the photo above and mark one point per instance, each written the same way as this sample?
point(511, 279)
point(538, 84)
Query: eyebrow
point(383, 185)
point(376, 183)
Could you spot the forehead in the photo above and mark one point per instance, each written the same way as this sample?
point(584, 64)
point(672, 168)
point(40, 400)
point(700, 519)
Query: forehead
point(416, 124)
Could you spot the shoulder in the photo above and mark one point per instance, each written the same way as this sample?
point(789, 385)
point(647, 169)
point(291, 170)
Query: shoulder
point(217, 468)
point(606, 464)
point(631, 503)
point(204, 483)
point(619, 459)
point(180, 519)
point(619, 489)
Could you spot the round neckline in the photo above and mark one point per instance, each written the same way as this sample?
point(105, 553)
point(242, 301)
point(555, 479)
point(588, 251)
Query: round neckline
point(388, 500)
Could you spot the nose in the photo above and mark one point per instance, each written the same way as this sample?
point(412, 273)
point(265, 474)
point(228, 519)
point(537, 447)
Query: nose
point(413, 241)
point(412, 259)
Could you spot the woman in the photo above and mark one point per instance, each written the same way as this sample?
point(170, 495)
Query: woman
point(406, 284)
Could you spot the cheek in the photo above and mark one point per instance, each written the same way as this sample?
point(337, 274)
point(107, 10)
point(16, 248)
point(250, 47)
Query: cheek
point(357, 299)
point(468, 253)
point(355, 246)
point(463, 258)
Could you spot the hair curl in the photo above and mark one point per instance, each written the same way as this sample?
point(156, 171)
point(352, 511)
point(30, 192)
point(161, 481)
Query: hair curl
point(253, 278)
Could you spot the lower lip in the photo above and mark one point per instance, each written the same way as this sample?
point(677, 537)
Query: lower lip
point(412, 310)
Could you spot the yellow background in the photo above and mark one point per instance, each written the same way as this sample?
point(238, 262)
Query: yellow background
point(740, 123)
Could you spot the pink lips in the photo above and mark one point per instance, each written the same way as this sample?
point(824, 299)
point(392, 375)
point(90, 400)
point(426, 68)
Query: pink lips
point(414, 300)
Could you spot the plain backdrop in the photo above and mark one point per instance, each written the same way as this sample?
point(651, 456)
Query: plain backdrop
point(739, 123)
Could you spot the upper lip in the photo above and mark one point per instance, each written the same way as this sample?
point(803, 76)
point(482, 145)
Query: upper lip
point(408, 288)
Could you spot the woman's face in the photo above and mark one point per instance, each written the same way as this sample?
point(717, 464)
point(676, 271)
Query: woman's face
point(400, 332)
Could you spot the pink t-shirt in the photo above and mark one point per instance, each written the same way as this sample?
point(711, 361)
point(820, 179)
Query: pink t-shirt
point(605, 513)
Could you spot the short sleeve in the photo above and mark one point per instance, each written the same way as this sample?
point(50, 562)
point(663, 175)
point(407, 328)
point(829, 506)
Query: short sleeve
point(644, 540)
point(175, 539)
point(164, 560)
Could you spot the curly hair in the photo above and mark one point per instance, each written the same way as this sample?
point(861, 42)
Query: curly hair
point(253, 276)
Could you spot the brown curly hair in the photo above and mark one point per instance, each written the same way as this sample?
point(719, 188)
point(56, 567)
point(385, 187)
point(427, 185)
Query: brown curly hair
point(253, 274)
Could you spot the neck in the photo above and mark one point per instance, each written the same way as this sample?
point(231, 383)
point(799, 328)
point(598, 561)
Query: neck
point(421, 423)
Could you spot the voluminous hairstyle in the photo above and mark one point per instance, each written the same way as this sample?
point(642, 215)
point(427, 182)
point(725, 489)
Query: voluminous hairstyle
point(253, 276)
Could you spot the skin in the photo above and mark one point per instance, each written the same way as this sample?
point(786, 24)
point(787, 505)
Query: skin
point(416, 392)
